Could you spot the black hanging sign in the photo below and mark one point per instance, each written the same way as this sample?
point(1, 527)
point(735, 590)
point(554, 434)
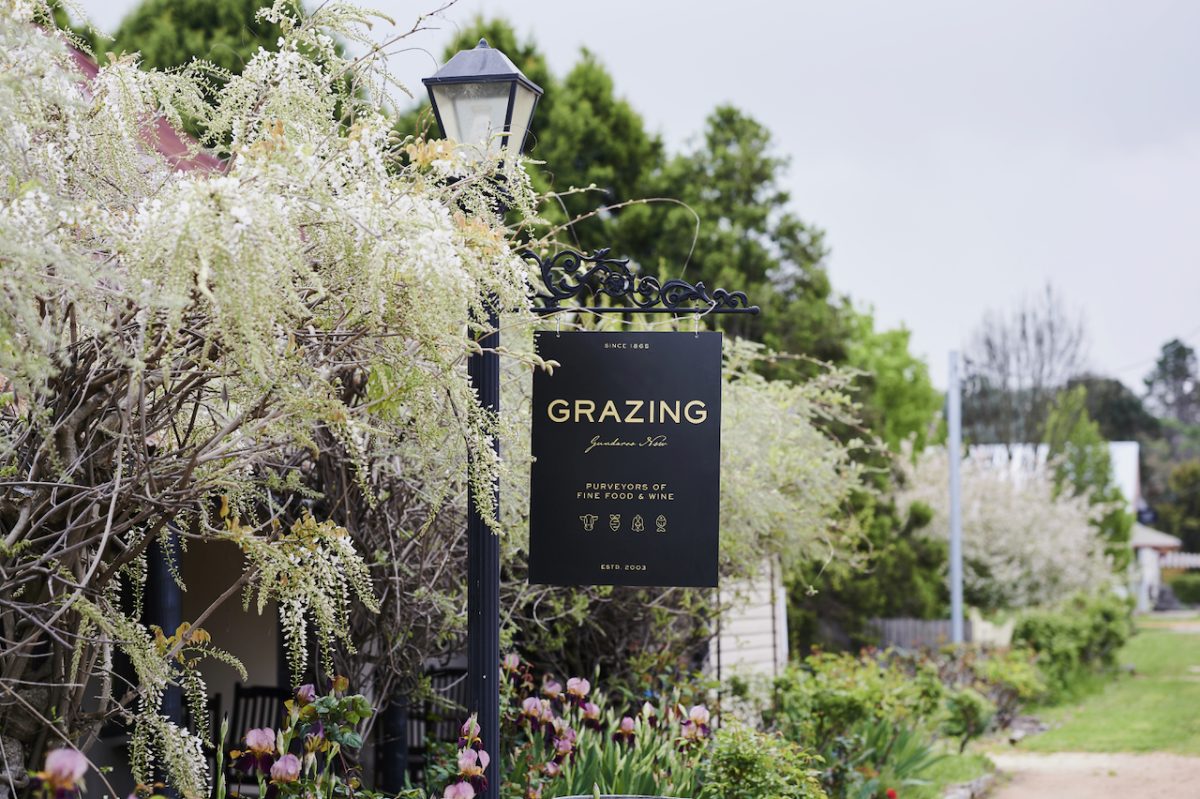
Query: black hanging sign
point(627, 446)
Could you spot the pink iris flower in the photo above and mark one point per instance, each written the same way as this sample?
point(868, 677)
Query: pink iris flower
point(468, 734)
point(306, 694)
point(260, 752)
point(578, 688)
point(472, 763)
point(261, 741)
point(64, 769)
point(286, 769)
point(625, 731)
point(459, 790)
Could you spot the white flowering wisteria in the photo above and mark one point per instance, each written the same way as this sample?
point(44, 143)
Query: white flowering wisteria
point(208, 345)
point(1022, 545)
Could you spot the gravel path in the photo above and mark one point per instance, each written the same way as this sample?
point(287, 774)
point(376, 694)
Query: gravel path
point(1078, 775)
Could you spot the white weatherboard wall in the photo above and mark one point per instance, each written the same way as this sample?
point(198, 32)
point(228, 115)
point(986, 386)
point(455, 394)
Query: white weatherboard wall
point(752, 639)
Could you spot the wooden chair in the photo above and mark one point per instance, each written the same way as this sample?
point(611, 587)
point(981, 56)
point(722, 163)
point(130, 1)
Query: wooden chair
point(428, 721)
point(255, 706)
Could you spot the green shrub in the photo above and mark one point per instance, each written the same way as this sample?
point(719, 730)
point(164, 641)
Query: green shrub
point(1187, 588)
point(1083, 635)
point(828, 695)
point(1009, 677)
point(746, 764)
point(869, 717)
point(968, 714)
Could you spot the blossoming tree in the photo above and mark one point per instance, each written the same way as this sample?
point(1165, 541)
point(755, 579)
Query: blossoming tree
point(1024, 543)
point(237, 354)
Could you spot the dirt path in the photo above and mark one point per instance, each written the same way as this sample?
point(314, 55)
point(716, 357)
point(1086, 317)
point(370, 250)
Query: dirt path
point(1077, 775)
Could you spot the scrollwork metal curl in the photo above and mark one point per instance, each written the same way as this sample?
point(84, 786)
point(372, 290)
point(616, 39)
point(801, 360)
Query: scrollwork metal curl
point(570, 274)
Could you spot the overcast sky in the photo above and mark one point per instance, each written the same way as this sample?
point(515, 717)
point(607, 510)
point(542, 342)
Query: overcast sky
point(959, 155)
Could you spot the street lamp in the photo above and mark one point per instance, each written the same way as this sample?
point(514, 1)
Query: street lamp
point(484, 102)
point(481, 99)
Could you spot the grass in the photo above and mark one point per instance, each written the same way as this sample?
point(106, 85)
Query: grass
point(1152, 710)
point(950, 770)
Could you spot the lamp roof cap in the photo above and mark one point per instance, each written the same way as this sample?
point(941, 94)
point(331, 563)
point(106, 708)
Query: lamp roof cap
point(481, 64)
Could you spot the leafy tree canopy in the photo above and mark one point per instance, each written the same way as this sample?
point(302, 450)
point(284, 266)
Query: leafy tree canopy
point(1082, 466)
point(898, 398)
point(1180, 511)
point(1173, 386)
point(1120, 413)
point(170, 33)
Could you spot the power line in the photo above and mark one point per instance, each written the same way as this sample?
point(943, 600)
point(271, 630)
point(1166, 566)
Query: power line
point(1147, 361)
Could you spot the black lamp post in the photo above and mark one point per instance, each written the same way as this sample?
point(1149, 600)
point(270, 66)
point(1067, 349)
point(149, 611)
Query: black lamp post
point(482, 101)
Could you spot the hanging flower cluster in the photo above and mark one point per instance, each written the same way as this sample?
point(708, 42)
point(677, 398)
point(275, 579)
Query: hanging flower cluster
point(192, 327)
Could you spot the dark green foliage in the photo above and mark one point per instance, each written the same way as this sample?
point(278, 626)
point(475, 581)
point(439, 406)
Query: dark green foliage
point(1179, 510)
point(1120, 414)
point(748, 238)
point(1083, 466)
point(1187, 588)
point(1172, 387)
point(171, 33)
point(746, 764)
point(898, 571)
point(1080, 637)
point(594, 137)
point(1170, 480)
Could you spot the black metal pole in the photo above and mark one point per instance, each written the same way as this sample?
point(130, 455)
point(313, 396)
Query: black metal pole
point(483, 574)
point(393, 745)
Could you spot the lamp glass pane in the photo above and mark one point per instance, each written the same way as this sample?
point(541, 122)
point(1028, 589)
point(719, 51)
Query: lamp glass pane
point(522, 116)
point(473, 115)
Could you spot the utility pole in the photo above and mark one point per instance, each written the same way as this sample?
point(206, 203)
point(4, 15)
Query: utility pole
point(954, 412)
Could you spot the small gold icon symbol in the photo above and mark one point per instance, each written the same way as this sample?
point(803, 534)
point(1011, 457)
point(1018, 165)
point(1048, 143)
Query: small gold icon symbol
point(660, 524)
point(589, 521)
point(614, 521)
point(639, 526)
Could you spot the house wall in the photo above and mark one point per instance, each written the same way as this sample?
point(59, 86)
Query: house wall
point(208, 570)
point(752, 639)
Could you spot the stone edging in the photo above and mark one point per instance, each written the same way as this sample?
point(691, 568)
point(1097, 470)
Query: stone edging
point(971, 790)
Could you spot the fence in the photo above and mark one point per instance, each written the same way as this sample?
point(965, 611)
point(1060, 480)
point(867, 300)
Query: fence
point(916, 633)
point(933, 633)
point(1180, 560)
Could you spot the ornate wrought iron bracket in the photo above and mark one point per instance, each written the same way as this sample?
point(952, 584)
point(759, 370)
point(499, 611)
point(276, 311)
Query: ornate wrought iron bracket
point(568, 274)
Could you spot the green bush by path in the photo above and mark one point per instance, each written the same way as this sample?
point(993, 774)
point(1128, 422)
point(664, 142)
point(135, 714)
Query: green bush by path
point(1187, 588)
point(875, 718)
point(1152, 710)
point(1082, 636)
point(968, 715)
point(747, 764)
